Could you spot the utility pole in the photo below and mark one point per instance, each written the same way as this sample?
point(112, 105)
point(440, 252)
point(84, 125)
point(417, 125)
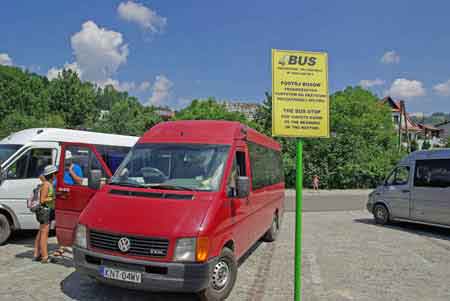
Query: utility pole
point(403, 112)
point(400, 130)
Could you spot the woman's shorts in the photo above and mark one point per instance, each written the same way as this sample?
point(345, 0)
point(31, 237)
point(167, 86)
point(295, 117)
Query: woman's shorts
point(45, 215)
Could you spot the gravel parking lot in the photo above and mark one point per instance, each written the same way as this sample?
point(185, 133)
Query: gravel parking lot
point(345, 257)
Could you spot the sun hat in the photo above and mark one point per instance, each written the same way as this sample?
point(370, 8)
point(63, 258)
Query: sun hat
point(49, 169)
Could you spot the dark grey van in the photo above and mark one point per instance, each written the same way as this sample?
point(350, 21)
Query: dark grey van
point(417, 190)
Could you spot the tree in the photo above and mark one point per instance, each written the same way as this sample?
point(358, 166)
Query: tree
point(414, 146)
point(358, 155)
point(208, 109)
point(426, 145)
point(16, 121)
point(74, 99)
point(127, 117)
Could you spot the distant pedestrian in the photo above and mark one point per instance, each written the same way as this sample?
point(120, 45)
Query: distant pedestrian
point(315, 182)
point(46, 213)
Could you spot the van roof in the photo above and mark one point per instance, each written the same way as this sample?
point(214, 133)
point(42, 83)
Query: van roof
point(205, 132)
point(441, 153)
point(63, 135)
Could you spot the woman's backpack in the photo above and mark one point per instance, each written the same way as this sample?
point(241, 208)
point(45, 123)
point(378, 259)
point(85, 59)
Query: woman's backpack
point(34, 200)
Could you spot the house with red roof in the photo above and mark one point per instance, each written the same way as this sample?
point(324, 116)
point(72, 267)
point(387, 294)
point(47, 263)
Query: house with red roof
point(408, 127)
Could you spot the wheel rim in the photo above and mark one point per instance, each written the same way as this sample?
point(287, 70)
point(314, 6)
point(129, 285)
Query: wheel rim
point(220, 275)
point(380, 213)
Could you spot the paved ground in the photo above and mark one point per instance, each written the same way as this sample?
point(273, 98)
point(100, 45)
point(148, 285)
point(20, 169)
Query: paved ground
point(345, 257)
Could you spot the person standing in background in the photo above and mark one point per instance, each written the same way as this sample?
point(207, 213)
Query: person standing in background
point(46, 213)
point(315, 183)
point(73, 175)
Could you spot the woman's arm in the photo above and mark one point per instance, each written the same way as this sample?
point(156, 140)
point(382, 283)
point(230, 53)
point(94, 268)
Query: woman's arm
point(44, 192)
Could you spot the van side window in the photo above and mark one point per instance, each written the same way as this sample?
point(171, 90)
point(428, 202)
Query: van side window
point(238, 170)
point(112, 155)
point(432, 173)
point(31, 164)
point(81, 160)
point(266, 166)
point(399, 176)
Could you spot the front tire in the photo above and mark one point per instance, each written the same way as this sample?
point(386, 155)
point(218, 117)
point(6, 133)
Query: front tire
point(5, 229)
point(381, 214)
point(222, 277)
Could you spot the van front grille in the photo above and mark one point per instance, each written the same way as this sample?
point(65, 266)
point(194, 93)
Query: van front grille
point(141, 246)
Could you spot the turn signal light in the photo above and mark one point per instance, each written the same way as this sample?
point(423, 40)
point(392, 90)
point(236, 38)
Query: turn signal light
point(202, 249)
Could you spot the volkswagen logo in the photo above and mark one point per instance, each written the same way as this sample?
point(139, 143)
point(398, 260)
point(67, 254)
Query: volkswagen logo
point(124, 244)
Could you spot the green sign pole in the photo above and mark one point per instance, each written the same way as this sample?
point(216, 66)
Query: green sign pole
point(298, 223)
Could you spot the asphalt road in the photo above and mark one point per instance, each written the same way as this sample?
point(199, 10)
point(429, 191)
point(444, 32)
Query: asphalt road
point(331, 200)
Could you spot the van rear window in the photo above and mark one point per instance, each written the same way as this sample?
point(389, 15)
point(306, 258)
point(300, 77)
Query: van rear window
point(432, 173)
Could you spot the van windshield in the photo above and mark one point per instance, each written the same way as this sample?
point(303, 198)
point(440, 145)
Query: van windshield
point(7, 150)
point(173, 166)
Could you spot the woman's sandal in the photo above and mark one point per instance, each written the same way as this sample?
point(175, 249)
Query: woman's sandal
point(45, 260)
point(37, 258)
point(58, 253)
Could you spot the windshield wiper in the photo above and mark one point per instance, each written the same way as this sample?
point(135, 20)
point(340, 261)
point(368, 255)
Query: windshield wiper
point(170, 187)
point(127, 184)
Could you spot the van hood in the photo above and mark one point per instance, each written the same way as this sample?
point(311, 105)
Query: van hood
point(146, 216)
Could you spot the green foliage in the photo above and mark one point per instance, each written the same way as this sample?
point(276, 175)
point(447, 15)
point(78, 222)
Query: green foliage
point(29, 100)
point(361, 151)
point(426, 145)
point(127, 117)
point(208, 109)
point(414, 146)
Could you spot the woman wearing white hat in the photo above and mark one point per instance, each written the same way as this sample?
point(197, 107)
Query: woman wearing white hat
point(45, 214)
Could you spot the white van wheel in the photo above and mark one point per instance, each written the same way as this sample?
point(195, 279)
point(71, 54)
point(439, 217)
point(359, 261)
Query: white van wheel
point(381, 214)
point(222, 277)
point(5, 229)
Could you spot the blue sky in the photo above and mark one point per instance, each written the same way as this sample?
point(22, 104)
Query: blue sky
point(169, 52)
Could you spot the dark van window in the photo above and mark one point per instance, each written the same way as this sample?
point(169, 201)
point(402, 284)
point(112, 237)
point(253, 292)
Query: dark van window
point(266, 166)
point(432, 173)
point(113, 155)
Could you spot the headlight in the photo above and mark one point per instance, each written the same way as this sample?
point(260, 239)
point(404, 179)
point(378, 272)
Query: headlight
point(192, 249)
point(81, 236)
point(185, 250)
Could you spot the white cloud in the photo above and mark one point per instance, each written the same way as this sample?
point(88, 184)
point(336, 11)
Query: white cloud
point(5, 59)
point(367, 83)
point(161, 90)
point(54, 72)
point(405, 88)
point(142, 15)
point(442, 88)
point(144, 86)
point(99, 52)
point(391, 57)
point(125, 86)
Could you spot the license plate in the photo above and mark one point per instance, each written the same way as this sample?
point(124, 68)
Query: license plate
point(115, 274)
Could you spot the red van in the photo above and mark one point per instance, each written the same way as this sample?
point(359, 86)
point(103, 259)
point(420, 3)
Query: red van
point(187, 202)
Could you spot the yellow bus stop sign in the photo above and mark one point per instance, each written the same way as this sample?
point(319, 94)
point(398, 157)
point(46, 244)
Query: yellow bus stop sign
point(300, 100)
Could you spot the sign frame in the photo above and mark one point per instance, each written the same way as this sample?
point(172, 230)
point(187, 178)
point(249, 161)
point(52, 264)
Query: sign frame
point(326, 81)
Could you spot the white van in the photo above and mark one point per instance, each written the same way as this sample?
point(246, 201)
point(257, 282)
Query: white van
point(417, 190)
point(24, 154)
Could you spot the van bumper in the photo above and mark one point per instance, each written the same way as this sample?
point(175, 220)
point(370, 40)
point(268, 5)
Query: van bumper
point(156, 276)
point(369, 207)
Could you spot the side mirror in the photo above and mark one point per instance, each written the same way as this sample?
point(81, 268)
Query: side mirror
point(94, 179)
point(243, 187)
